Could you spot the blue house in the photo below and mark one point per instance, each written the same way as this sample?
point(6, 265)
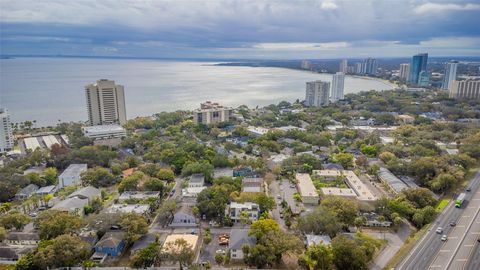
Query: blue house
point(111, 244)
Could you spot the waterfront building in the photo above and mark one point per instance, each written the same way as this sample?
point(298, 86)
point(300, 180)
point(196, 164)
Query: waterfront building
point(306, 65)
point(317, 93)
point(370, 66)
point(358, 68)
point(344, 66)
point(6, 134)
point(404, 71)
point(417, 65)
point(468, 89)
point(104, 132)
point(211, 112)
point(337, 86)
point(450, 74)
point(105, 103)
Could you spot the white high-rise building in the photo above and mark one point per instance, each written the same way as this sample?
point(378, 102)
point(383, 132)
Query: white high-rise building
point(359, 68)
point(337, 86)
point(450, 74)
point(317, 94)
point(306, 65)
point(6, 134)
point(105, 103)
point(344, 66)
point(404, 71)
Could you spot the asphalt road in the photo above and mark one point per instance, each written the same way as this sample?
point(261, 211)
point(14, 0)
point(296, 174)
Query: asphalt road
point(430, 251)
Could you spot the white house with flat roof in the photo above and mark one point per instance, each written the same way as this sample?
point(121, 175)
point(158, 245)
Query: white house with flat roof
point(307, 190)
point(235, 210)
point(71, 176)
point(104, 132)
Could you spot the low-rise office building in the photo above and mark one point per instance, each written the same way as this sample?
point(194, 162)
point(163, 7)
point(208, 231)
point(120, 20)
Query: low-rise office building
point(110, 135)
point(307, 190)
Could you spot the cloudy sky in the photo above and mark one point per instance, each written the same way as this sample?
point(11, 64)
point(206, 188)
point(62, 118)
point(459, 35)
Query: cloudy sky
point(281, 29)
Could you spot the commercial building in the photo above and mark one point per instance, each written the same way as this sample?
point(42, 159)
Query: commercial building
point(424, 79)
point(404, 71)
point(307, 190)
point(337, 87)
point(210, 113)
point(360, 189)
point(138, 195)
point(468, 89)
point(417, 65)
point(235, 211)
point(71, 175)
point(343, 66)
point(141, 209)
point(391, 181)
point(6, 135)
point(450, 74)
point(110, 135)
point(317, 93)
point(370, 66)
point(342, 192)
point(105, 103)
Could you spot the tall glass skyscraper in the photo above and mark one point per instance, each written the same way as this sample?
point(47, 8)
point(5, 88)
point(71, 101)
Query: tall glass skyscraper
point(450, 74)
point(418, 64)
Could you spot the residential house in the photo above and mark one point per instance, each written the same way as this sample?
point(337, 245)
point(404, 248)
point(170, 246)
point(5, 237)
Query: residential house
point(141, 209)
point(73, 205)
point(373, 220)
point(196, 180)
point(276, 160)
point(13, 254)
point(184, 218)
point(21, 239)
point(138, 195)
point(25, 192)
point(239, 238)
point(252, 184)
point(46, 190)
point(71, 175)
point(111, 244)
point(313, 239)
point(88, 193)
point(235, 210)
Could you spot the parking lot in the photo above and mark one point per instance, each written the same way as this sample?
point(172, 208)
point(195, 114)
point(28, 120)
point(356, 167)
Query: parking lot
point(208, 252)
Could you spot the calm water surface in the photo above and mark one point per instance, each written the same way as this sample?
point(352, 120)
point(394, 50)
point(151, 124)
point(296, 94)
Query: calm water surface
point(52, 89)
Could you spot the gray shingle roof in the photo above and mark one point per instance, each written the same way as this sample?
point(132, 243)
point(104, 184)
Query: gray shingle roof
point(240, 237)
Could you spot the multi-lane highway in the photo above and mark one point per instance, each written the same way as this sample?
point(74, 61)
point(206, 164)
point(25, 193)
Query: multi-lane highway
point(459, 249)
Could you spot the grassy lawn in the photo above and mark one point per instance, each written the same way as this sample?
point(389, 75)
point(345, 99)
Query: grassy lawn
point(442, 204)
point(403, 251)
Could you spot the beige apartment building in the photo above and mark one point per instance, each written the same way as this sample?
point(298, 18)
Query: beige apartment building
point(468, 89)
point(6, 134)
point(105, 103)
point(211, 112)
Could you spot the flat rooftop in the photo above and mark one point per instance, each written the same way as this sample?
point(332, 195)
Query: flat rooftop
point(103, 129)
point(305, 185)
point(345, 192)
point(352, 180)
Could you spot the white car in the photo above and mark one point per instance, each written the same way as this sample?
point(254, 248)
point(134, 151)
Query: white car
point(220, 251)
point(444, 237)
point(439, 230)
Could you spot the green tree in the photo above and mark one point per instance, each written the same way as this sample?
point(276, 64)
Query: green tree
point(50, 175)
point(62, 251)
point(52, 223)
point(345, 159)
point(14, 220)
point(346, 210)
point(320, 221)
point(166, 174)
point(134, 226)
point(147, 256)
point(317, 257)
point(347, 255)
point(98, 177)
point(35, 178)
point(179, 251)
point(3, 233)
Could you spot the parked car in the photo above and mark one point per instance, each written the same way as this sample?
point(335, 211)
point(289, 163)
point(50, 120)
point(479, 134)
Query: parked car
point(444, 238)
point(220, 251)
point(439, 230)
point(453, 223)
point(468, 189)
